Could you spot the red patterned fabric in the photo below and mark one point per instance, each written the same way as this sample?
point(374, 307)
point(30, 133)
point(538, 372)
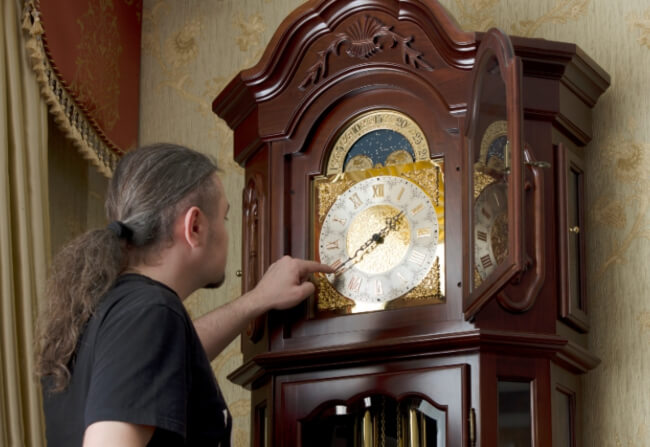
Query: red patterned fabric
point(94, 47)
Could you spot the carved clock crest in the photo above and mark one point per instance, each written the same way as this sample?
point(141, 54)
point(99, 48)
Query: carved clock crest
point(365, 37)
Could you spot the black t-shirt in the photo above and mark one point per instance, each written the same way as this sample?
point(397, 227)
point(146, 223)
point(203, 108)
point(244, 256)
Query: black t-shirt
point(140, 360)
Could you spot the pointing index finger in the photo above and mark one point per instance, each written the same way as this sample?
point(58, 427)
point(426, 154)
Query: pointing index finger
point(307, 266)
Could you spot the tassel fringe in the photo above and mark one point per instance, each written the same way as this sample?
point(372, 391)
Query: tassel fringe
point(91, 142)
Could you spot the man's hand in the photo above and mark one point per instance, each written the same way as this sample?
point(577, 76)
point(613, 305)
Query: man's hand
point(286, 283)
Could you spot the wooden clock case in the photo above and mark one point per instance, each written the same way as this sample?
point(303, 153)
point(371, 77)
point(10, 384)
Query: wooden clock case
point(332, 60)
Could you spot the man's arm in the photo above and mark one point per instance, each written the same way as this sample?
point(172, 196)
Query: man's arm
point(114, 433)
point(285, 284)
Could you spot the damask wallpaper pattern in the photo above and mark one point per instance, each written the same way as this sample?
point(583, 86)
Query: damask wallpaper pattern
point(191, 49)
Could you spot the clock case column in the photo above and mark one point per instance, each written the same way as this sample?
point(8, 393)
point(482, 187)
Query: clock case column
point(285, 116)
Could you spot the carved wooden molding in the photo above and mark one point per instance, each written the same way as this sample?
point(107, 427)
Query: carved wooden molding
point(253, 208)
point(259, 368)
point(365, 38)
point(576, 359)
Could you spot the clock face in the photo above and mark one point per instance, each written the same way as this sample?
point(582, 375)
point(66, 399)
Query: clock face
point(381, 235)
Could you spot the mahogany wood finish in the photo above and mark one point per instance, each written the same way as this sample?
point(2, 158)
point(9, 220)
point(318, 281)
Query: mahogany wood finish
point(328, 62)
point(444, 383)
point(253, 244)
point(521, 294)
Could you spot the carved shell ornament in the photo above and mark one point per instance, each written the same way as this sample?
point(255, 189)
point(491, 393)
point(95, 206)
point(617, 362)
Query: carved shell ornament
point(364, 38)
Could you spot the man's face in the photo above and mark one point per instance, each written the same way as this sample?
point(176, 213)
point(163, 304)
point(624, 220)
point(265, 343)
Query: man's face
point(218, 239)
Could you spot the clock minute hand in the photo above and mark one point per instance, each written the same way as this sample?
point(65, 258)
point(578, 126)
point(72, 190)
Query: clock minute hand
point(376, 239)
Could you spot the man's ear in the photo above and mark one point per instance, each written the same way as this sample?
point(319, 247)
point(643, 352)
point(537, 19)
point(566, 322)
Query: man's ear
point(194, 226)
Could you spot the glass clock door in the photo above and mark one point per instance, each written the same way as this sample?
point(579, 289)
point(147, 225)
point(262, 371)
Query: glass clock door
point(494, 211)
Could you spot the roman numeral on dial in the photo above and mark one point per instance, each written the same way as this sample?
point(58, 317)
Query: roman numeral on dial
point(354, 285)
point(486, 261)
point(332, 245)
point(356, 201)
point(417, 257)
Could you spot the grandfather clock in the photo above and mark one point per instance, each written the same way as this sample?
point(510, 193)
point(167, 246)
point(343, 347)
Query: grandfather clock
point(440, 173)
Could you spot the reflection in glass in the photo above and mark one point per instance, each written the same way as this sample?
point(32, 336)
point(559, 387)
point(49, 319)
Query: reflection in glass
point(423, 424)
point(490, 162)
point(376, 421)
point(514, 414)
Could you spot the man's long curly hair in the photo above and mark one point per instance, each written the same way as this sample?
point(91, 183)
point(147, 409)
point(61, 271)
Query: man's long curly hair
point(150, 187)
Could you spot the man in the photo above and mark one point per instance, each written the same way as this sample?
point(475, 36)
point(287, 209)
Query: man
point(120, 360)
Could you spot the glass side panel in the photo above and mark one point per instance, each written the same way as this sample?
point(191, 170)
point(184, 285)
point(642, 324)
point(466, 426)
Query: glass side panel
point(514, 414)
point(377, 421)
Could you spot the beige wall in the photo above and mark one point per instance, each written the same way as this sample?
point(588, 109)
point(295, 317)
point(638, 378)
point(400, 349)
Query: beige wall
point(192, 48)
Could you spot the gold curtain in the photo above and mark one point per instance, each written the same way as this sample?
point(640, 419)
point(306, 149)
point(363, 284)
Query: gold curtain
point(24, 235)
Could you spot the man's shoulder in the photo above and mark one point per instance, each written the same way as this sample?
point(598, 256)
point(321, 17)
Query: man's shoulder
point(136, 292)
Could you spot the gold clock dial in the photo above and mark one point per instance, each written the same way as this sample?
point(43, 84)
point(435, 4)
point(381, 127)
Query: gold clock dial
point(382, 235)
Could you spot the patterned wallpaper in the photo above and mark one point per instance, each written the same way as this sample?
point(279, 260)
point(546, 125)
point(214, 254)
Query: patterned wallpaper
point(191, 49)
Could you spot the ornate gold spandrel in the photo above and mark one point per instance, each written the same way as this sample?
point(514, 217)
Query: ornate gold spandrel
point(429, 288)
point(329, 299)
point(430, 180)
point(328, 190)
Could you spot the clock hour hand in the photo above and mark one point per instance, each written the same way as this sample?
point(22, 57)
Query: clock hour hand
point(374, 240)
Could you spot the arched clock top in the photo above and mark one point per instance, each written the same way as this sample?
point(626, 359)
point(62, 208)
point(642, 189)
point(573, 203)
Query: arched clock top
point(330, 40)
point(316, 19)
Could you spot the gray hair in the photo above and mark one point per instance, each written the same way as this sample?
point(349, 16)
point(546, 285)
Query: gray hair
point(151, 184)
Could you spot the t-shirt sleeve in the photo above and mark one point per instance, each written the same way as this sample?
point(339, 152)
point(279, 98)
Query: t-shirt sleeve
point(140, 369)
